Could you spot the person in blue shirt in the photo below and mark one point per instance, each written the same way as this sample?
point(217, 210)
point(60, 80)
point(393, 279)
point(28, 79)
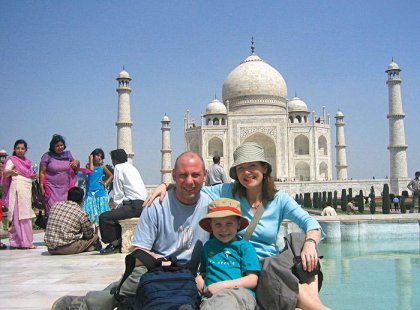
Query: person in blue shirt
point(229, 264)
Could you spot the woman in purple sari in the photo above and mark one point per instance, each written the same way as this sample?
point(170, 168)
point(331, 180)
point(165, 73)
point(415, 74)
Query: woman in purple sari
point(17, 186)
point(57, 172)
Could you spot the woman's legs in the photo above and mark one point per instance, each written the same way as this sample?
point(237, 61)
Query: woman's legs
point(20, 232)
point(308, 297)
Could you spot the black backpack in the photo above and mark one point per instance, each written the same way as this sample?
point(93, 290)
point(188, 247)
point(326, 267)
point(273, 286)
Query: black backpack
point(161, 287)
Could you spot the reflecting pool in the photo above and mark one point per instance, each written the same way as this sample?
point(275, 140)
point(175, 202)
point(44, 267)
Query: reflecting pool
point(382, 274)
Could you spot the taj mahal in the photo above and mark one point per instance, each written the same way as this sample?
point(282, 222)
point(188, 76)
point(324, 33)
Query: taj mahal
point(255, 107)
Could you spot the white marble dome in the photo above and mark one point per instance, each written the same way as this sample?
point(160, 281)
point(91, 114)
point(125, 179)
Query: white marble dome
point(393, 66)
point(166, 118)
point(124, 75)
point(216, 107)
point(254, 79)
point(297, 105)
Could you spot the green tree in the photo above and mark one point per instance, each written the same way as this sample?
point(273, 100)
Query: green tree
point(372, 205)
point(404, 196)
point(360, 202)
point(324, 200)
point(343, 200)
point(315, 198)
point(335, 200)
point(307, 200)
point(350, 195)
point(386, 201)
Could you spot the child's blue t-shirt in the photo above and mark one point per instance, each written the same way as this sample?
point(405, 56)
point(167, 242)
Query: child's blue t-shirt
point(228, 261)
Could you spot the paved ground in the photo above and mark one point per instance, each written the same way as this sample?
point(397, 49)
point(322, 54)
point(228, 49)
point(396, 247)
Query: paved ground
point(34, 279)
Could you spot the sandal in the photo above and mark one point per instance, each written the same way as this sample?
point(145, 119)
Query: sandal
point(3, 246)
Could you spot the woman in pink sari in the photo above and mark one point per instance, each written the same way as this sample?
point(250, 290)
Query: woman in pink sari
point(17, 186)
point(57, 172)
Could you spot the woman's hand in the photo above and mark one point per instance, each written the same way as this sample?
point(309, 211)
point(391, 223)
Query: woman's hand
point(74, 164)
point(159, 191)
point(309, 253)
point(309, 256)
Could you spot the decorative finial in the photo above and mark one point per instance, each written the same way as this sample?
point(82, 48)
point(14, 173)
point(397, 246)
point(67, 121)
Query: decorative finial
point(215, 96)
point(123, 67)
point(392, 59)
point(295, 93)
point(252, 46)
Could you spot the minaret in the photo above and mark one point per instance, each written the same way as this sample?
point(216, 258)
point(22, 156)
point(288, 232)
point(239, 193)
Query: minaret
point(340, 147)
point(124, 140)
point(397, 147)
point(166, 167)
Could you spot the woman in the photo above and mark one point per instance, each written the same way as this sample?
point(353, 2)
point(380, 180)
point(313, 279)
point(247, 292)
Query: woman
point(254, 187)
point(57, 172)
point(17, 186)
point(96, 200)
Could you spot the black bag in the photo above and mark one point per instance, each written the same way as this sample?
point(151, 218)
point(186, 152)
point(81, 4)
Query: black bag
point(161, 287)
point(41, 220)
point(38, 200)
point(300, 273)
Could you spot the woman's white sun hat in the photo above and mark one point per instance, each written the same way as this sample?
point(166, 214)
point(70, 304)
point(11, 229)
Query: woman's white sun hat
point(246, 153)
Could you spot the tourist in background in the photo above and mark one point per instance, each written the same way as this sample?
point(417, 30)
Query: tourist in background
point(254, 188)
point(216, 174)
point(17, 190)
point(328, 211)
point(414, 187)
point(127, 202)
point(69, 230)
point(96, 199)
point(57, 172)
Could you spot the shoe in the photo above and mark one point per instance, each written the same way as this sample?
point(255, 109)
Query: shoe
point(3, 246)
point(110, 249)
point(98, 246)
point(68, 302)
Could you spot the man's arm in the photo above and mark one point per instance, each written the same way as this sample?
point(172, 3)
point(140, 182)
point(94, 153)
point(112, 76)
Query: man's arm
point(86, 225)
point(410, 186)
point(118, 186)
point(224, 178)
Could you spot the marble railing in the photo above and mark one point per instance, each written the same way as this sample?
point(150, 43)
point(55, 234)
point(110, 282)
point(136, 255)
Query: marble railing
point(364, 227)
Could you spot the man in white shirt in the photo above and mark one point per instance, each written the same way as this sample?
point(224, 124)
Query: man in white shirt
point(216, 174)
point(129, 194)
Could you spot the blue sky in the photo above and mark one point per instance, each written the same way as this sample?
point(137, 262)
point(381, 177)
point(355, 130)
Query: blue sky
point(59, 61)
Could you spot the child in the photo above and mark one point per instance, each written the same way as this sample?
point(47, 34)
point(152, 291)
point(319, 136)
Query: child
point(229, 265)
point(96, 200)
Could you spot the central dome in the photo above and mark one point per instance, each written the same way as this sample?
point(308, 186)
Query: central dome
point(254, 83)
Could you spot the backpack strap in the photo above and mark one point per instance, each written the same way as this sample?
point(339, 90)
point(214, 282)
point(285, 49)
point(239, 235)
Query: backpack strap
point(130, 262)
point(254, 222)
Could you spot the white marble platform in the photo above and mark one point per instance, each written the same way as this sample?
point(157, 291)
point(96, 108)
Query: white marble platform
point(34, 279)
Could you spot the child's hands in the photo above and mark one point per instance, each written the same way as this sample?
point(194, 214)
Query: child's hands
point(214, 288)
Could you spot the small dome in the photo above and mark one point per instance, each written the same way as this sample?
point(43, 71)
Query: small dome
point(165, 118)
point(393, 66)
point(124, 75)
point(297, 105)
point(339, 114)
point(3, 151)
point(216, 107)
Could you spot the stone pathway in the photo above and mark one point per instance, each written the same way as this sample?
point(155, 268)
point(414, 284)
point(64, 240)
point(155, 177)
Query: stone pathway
point(34, 279)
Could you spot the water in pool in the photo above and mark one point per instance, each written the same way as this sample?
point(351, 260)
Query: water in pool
point(383, 274)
